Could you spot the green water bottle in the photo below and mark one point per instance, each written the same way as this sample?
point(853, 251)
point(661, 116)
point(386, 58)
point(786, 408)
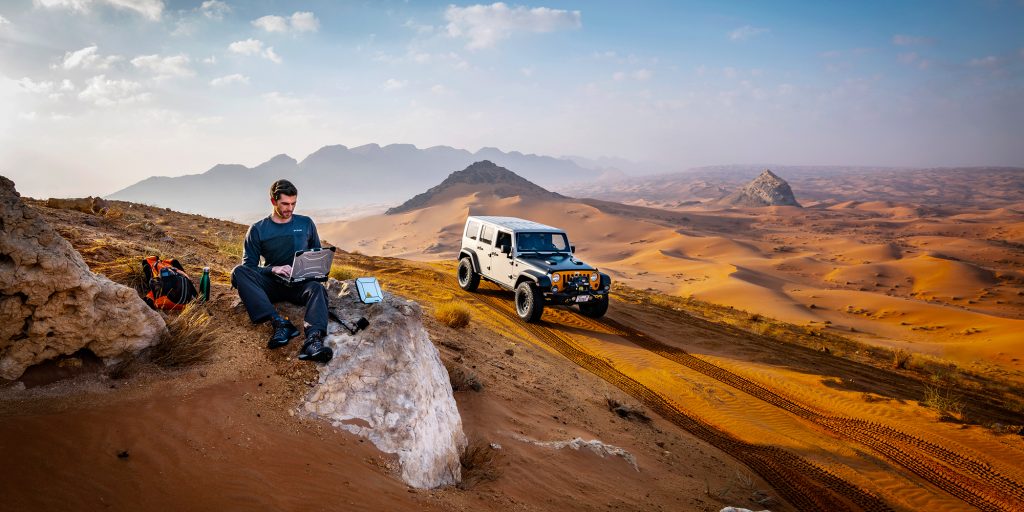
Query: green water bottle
point(204, 285)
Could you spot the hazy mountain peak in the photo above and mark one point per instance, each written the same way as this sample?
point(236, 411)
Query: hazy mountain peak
point(280, 159)
point(484, 176)
point(366, 148)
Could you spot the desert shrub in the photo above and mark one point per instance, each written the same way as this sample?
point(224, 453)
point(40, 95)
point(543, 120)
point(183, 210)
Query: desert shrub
point(948, 403)
point(113, 213)
point(453, 314)
point(190, 339)
point(342, 273)
point(900, 359)
point(231, 248)
point(126, 270)
point(478, 461)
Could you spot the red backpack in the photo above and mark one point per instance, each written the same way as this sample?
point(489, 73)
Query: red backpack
point(169, 286)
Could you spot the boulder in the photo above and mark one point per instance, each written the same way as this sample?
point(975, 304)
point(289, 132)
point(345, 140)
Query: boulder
point(93, 205)
point(387, 383)
point(766, 190)
point(52, 305)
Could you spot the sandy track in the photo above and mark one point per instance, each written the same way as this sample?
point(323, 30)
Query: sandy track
point(963, 476)
point(971, 480)
point(802, 483)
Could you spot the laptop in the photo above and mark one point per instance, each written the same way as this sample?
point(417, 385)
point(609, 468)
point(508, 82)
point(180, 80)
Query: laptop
point(310, 265)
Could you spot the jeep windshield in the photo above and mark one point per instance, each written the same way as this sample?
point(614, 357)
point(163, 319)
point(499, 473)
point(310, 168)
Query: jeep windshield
point(546, 242)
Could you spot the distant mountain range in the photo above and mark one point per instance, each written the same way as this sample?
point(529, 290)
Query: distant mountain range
point(337, 178)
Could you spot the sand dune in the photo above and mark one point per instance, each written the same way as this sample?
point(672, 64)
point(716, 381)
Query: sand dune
point(878, 267)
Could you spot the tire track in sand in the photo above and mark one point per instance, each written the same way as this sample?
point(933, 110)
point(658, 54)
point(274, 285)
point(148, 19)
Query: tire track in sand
point(802, 483)
point(973, 481)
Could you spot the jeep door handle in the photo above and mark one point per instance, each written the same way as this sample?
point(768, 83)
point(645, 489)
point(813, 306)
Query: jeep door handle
point(479, 248)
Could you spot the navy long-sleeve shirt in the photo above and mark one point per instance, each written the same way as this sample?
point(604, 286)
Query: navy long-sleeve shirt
point(278, 243)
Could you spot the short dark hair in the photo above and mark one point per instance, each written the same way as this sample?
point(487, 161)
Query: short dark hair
point(283, 188)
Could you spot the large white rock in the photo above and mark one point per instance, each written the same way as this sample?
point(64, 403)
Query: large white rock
point(387, 383)
point(52, 305)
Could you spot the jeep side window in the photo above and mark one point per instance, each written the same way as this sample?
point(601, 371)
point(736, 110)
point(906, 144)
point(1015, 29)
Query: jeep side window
point(472, 229)
point(504, 239)
point(487, 235)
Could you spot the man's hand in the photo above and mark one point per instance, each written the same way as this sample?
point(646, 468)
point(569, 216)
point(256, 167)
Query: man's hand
point(283, 270)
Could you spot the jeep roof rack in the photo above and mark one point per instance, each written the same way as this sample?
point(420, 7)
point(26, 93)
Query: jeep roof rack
point(516, 224)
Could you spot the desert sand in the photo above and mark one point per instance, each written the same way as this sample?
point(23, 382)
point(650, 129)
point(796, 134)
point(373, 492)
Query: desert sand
point(781, 420)
point(945, 284)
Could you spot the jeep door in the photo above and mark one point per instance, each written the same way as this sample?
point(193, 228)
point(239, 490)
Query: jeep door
point(501, 258)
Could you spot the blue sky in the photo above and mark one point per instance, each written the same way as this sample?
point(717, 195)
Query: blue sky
point(97, 94)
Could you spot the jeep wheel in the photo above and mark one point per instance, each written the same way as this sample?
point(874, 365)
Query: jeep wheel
point(468, 278)
point(596, 308)
point(529, 301)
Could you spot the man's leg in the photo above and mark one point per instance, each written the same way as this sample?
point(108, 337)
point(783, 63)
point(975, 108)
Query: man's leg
point(258, 292)
point(314, 297)
point(254, 289)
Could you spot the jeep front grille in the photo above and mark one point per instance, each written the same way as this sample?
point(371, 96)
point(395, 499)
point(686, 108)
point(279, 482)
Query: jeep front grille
point(572, 281)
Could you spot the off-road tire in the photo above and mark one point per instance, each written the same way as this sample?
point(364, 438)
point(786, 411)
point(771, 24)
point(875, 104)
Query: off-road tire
point(469, 279)
point(529, 301)
point(594, 309)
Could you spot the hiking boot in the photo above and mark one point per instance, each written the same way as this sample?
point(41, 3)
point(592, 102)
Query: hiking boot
point(314, 349)
point(284, 331)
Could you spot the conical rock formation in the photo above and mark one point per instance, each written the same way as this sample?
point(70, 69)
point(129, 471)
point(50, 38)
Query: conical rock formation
point(766, 190)
point(52, 305)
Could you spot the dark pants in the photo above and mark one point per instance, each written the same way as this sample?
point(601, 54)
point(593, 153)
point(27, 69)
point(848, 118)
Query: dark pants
point(259, 292)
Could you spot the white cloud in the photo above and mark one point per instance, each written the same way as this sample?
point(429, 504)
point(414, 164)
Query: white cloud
point(105, 93)
point(163, 67)
point(247, 47)
point(305, 22)
point(905, 40)
point(4, 21)
point(990, 61)
point(270, 55)
point(254, 47)
point(619, 76)
point(440, 90)
point(271, 23)
point(35, 87)
point(746, 32)
point(149, 9)
point(419, 28)
point(299, 21)
point(485, 25)
point(67, 85)
point(28, 116)
point(215, 9)
point(230, 79)
point(526, 71)
point(88, 58)
point(393, 85)
point(642, 74)
point(212, 59)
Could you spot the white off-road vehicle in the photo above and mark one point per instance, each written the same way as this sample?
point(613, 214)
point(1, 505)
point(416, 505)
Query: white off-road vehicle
point(535, 261)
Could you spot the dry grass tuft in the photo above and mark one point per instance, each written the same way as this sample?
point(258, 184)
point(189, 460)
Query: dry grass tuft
point(126, 270)
point(231, 248)
point(900, 359)
point(191, 339)
point(478, 462)
point(948, 403)
point(342, 273)
point(453, 314)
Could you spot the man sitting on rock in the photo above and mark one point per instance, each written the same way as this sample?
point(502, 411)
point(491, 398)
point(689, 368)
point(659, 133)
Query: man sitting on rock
point(276, 239)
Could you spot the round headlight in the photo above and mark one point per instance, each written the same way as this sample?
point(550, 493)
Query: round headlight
point(554, 288)
point(594, 276)
point(555, 278)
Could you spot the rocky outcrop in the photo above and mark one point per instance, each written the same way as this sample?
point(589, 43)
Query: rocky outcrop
point(766, 190)
point(387, 383)
point(93, 205)
point(52, 305)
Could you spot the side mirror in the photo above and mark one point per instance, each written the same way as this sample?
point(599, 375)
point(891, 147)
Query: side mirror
point(572, 249)
point(505, 249)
